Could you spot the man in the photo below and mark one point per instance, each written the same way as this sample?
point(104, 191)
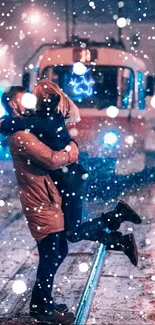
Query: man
point(41, 204)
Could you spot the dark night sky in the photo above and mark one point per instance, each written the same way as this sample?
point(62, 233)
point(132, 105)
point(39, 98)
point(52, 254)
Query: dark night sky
point(105, 9)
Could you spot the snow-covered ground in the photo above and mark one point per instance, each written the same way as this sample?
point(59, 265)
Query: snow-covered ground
point(126, 294)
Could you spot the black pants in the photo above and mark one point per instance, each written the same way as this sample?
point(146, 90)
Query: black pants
point(75, 229)
point(52, 251)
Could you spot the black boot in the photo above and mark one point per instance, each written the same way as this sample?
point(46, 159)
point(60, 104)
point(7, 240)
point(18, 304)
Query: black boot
point(61, 307)
point(121, 213)
point(34, 308)
point(53, 316)
point(125, 243)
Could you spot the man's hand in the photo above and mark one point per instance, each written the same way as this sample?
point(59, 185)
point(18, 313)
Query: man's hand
point(73, 152)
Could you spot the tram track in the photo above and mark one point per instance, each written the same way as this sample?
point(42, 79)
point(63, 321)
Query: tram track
point(10, 220)
point(89, 290)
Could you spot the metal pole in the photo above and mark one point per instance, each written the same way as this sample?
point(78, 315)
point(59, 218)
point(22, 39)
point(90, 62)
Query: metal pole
point(67, 20)
point(73, 20)
point(119, 34)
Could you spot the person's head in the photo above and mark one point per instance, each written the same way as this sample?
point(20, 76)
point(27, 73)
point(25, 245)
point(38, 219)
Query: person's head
point(46, 89)
point(12, 100)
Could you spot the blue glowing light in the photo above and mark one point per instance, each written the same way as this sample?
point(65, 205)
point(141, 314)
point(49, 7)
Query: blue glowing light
point(81, 82)
point(36, 69)
point(2, 110)
point(110, 138)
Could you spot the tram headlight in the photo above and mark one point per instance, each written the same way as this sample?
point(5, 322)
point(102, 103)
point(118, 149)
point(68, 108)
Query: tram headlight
point(110, 138)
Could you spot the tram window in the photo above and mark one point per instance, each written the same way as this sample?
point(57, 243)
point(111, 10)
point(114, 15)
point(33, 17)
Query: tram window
point(47, 73)
point(141, 90)
point(105, 87)
point(98, 86)
point(127, 87)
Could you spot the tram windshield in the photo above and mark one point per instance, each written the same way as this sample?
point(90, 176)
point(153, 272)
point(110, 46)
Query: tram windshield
point(95, 86)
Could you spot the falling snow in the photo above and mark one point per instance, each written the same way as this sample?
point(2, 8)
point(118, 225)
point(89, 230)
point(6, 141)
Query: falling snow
point(117, 129)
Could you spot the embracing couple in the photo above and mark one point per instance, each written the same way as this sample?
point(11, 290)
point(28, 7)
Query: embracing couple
point(52, 185)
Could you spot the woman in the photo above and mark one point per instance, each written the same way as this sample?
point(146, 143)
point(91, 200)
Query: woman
point(54, 111)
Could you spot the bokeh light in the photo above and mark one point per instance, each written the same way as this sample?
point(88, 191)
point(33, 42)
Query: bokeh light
point(120, 4)
point(83, 267)
point(129, 139)
point(2, 203)
point(112, 111)
point(73, 132)
point(34, 18)
point(29, 101)
point(121, 22)
point(91, 4)
point(79, 68)
point(110, 138)
point(19, 287)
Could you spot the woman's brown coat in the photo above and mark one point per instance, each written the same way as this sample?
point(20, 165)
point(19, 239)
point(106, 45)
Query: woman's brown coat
point(40, 199)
